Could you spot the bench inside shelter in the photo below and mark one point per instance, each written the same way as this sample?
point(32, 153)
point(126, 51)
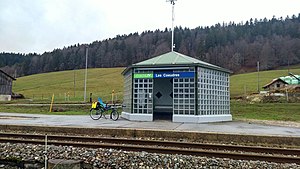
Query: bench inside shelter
point(163, 112)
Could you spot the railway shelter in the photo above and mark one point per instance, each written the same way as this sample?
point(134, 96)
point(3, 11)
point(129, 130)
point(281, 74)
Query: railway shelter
point(176, 87)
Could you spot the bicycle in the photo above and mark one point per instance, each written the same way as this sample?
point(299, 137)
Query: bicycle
point(99, 108)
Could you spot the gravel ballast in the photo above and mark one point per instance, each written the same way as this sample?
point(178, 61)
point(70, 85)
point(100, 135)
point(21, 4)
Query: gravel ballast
point(110, 158)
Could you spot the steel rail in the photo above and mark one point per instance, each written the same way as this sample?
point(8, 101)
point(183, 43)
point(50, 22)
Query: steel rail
point(166, 150)
point(256, 149)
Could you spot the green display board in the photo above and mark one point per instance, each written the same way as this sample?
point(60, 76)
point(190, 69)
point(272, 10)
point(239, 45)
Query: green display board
point(143, 76)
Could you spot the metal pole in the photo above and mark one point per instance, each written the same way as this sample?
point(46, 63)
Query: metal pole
point(287, 95)
point(74, 85)
point(288, 64)
point(258, 76)
point(85, 78)
point(172, 45)
point(46, 155)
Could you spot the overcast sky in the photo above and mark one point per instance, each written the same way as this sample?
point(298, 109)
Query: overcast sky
point(28, 26)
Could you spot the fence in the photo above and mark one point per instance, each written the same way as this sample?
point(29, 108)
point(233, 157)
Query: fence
point(66, 97)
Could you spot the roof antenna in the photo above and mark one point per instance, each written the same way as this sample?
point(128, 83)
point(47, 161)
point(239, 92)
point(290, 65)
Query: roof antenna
point(173, 4)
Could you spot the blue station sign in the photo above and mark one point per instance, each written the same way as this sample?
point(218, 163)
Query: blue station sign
point(174, 75)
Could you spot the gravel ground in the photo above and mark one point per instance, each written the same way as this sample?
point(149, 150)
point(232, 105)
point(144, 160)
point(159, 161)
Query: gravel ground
point(273, 122)
point(109, 158)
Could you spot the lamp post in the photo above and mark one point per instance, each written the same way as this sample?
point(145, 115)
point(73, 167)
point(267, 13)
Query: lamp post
point(258, 87)
point(74, 77)
point(85, 77)
point(173, 4)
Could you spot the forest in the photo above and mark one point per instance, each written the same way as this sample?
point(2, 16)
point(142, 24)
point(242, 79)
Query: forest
point(236, 46)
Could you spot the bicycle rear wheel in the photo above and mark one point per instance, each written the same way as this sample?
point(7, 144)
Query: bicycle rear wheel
point(95, 114)
point(114, 115)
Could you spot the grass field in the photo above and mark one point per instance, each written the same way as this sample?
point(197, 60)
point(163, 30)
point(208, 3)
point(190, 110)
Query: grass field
point(102, 81)
point(70, 85)
point(266, 111)
point(44, 109)
point(57, 110)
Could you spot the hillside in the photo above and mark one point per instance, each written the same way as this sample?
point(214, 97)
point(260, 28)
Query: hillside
point(101, 82)
point(235, 46)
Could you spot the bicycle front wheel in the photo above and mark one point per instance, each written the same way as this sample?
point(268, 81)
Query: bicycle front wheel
point(114, 115)
point(95, 114)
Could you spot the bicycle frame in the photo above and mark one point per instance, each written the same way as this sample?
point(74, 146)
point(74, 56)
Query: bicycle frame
point(98, 110)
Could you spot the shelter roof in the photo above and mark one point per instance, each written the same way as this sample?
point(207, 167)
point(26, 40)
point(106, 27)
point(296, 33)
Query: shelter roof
point(289, 80)
point(174, 59)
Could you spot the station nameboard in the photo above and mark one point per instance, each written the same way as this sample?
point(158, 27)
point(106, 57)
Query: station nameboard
point(164, 75)
point(174, 75)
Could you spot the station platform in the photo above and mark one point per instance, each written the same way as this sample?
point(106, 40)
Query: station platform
point(233, 127)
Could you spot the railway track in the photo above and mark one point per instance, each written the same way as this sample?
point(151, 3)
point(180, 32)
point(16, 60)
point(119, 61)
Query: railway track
point(278, 155)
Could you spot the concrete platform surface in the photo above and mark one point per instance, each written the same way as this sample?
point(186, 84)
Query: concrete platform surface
point(234, 127)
